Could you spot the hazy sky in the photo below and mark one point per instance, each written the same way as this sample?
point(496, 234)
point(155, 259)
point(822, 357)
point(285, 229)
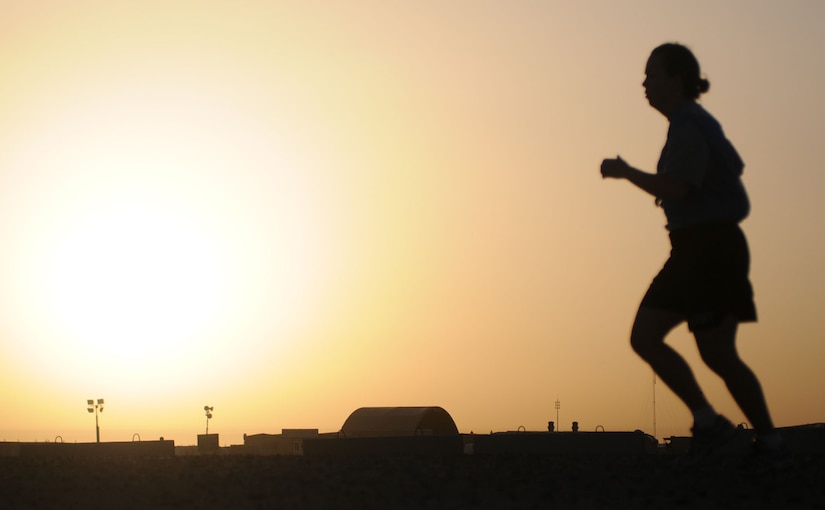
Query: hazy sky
point(288, 210)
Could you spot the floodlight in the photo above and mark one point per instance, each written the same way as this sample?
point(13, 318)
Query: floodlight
point(94, 408)
point(208, 410)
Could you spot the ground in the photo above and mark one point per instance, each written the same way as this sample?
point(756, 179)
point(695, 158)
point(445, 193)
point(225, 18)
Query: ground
point(389, 482)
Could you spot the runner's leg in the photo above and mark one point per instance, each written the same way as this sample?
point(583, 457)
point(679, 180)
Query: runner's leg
point(648, 340)
point(717, 346)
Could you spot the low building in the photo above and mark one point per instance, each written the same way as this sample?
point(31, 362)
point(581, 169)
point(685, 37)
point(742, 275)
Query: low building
point(288, 442)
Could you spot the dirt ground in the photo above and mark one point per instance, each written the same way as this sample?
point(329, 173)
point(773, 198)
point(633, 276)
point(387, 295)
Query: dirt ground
point(370, 482)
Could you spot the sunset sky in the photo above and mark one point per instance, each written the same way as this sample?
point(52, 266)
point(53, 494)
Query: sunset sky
point(288, 210)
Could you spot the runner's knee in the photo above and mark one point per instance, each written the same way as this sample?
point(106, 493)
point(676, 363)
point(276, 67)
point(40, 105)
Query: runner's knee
point(645, 343)
point(649, 330)
point(717, 347)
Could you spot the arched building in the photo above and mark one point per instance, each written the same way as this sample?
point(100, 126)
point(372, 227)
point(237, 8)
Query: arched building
point(399, 422)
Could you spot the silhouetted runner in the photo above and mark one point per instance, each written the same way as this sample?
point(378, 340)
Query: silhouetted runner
point(705, 281)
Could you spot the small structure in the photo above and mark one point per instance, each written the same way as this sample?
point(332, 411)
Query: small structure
point(208, 443)
point(399, 422)
point(288, 442)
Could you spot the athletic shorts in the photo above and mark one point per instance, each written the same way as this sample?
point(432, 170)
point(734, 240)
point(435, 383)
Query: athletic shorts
point(706, 277)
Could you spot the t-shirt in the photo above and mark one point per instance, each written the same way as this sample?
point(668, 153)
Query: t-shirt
point(698, 153)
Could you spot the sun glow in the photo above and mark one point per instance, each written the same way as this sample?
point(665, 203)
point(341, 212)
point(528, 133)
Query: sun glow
point(126, 287)
point(146, 252)
point(134, 276)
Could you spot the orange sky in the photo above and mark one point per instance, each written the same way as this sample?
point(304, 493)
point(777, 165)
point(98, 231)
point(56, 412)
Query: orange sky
point(289, 210)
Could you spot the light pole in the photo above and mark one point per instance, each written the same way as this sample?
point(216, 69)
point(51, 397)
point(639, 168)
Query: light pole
point(558, 406)
point(93, 408)
point(208, 415)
